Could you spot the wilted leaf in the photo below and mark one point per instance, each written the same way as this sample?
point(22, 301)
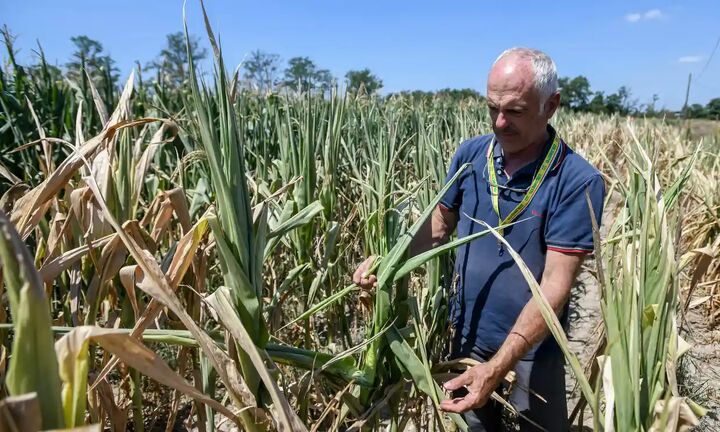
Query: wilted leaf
point(72, 351)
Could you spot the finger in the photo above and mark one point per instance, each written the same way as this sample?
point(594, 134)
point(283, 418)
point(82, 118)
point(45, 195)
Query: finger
point(365, 274)
point(358, 275)
point(367, 264)
point(448, 404)
point(458, 382)
point(457, 405)
point(367, 282)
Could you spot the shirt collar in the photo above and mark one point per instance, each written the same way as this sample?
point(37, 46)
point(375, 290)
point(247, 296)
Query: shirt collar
point(529, 169)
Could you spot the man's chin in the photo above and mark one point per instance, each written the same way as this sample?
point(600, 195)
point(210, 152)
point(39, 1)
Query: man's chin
point(509, 141)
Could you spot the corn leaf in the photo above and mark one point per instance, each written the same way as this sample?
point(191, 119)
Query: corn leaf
point(33, 366)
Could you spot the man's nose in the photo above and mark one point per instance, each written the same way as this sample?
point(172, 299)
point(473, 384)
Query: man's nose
point(501, 121)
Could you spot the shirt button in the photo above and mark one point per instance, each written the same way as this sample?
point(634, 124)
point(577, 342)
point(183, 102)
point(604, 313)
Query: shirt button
point(499, 171)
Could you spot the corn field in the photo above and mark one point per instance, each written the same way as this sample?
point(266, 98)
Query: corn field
point(181, 257)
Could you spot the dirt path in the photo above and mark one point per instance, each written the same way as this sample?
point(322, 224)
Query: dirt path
point(583, 332)
point(700, 368)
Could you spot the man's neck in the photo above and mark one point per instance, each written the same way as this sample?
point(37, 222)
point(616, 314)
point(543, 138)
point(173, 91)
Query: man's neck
point(513, 161)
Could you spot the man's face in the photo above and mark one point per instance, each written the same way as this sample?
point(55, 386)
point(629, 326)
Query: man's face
point(517, 118)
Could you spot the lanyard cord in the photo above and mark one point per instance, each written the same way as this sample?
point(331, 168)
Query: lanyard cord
point(537, 180)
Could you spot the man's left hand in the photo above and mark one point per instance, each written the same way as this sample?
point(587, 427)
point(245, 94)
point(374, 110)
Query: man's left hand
point(480, 381)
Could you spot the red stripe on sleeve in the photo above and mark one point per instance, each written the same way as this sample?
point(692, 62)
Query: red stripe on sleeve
point(570, 250)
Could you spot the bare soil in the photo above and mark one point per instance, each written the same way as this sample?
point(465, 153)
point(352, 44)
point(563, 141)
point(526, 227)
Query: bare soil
point(700, 368)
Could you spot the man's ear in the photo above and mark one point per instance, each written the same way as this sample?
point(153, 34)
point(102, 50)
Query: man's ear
point(552, 104)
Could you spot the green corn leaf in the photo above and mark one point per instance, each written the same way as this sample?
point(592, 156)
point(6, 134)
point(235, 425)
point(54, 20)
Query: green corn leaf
point(419, 371)
point(33, 365)
point(302, 217)
point(341, 365)
point(390, 262)
point(418, 260)
point(386, 271)
point(324, 304)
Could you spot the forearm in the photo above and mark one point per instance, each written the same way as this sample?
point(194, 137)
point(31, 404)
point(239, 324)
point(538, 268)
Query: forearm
point(530, 327)
point(435, 231)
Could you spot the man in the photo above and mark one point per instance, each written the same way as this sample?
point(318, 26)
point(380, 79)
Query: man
point(523, 172)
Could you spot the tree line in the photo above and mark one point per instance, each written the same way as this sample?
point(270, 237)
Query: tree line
point(261, 71)
point(577, 95)
point(266, 72)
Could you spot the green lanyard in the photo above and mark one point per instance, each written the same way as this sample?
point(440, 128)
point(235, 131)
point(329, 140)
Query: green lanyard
point(537, 180)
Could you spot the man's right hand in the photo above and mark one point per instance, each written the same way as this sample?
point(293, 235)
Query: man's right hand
point(433, 232)
point(361, 278)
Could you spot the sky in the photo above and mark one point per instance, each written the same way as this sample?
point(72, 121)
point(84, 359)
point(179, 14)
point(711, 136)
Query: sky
point(651, 46)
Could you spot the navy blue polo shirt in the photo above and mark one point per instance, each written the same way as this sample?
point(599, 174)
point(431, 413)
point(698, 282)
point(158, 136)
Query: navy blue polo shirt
point(491, 291)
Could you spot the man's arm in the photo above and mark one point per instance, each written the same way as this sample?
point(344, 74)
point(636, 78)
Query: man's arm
point(435, 231)
point(560, 272)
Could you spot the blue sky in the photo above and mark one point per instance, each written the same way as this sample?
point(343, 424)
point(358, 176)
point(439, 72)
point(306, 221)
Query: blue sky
point(650, 46)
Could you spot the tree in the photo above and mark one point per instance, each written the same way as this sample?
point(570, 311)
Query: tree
point(302, 74)
point(261, 70)
point(696, 111)
point(713, 109)
point(89, 56)
point(613, 104)
point(619, 102)
point(89, 59)
point(172, 62)
point(324, 80)
point(575, 93)
point(597, 103)
point(357, 79)
point(651, 108)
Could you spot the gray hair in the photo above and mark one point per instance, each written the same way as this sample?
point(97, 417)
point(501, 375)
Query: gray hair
point(546, 81)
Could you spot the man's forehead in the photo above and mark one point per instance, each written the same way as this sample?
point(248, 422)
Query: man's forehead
point(512, 61)
point(511, 72)
point(510, 91)
point(510, 77)
point(512, 65)
point(506, 100)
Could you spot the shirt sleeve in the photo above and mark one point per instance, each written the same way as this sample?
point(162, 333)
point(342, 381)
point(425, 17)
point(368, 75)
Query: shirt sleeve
point(569, 226)
point(453, 197)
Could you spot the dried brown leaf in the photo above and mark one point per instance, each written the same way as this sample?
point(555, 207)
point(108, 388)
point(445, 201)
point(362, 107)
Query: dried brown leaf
point(133, 353)
point(156, 285)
